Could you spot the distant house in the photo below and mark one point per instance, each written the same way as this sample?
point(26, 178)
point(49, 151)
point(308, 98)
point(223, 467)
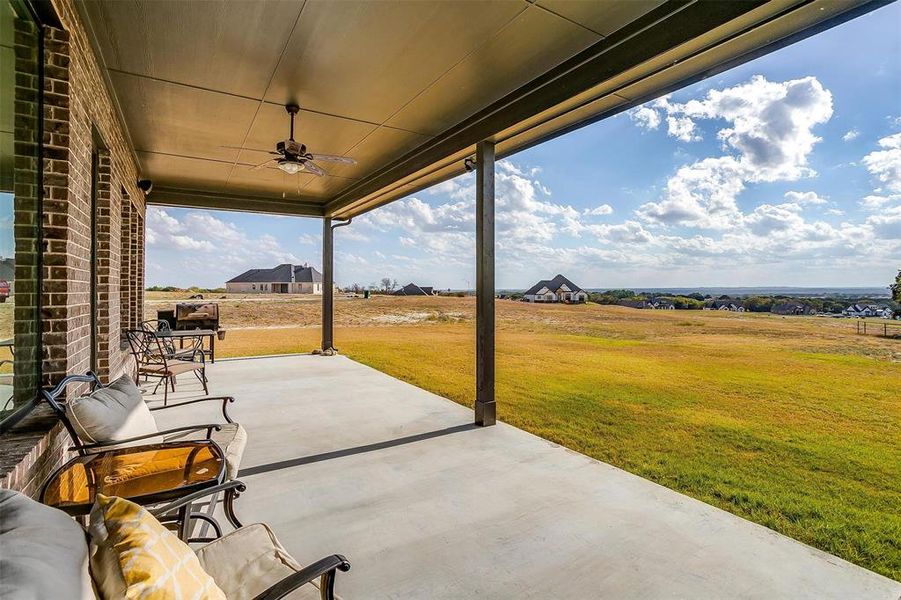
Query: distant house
point(660, 305)
point(411, 289)
point(633, 303)
point(792, 308)
point(283, 279)
point(868, 310)
point(725, 304)
point(647, 304)
point(558, 289)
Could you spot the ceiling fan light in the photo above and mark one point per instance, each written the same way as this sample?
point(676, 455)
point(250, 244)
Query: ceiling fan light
point(289, 166)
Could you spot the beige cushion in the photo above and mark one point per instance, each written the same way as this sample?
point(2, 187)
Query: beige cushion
point(134, 556)
point(232, 438)
point(112, 413)
point(249, 560)
point(43, 552)
point(175, 367)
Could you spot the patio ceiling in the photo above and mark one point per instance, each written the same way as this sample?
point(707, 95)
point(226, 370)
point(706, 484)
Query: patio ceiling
point(405, 88)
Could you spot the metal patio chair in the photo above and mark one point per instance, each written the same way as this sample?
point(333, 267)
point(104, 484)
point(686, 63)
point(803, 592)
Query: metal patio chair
point(161, 328)
point(230, 437)
point(154, 361)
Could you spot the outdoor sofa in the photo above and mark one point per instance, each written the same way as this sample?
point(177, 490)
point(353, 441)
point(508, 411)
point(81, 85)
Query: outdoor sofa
point(44, 553)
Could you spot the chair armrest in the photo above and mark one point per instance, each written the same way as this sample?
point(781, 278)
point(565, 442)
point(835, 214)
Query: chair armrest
point(101, 445)
point(191, 498)
point(225, 400)
point(325, 569)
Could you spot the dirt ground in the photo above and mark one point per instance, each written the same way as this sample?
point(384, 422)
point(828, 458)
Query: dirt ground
point(276, 311)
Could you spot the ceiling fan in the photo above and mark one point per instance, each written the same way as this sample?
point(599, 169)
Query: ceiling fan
point(293, 156)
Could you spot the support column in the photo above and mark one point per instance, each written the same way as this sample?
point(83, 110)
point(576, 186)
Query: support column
point(328, 286)
point(485, 407)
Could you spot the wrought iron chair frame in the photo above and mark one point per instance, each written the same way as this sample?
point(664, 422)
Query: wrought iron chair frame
point(53, 397)
point(168, 344)
point(325, 569)
point(152, 361)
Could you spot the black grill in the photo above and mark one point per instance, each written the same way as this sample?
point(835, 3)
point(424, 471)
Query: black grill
point(191, 315)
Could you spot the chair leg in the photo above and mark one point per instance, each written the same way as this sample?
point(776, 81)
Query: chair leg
point(201, 375)
point(228, 505)
point(165, 393)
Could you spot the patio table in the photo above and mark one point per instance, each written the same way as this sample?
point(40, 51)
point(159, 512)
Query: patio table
point(145, 475)
point(182, 334)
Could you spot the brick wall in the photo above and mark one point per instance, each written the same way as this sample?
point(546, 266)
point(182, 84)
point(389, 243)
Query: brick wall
point(125, 272)
point(25, 107)
point(79, 120)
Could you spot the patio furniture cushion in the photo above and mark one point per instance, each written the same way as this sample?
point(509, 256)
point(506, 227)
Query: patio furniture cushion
point(112, 413)
point(43, 552)
point(247, 561)
point(232, 438)
point(133, 555)
point(175, 367)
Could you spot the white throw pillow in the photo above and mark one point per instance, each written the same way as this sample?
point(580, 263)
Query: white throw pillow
point(112, 414)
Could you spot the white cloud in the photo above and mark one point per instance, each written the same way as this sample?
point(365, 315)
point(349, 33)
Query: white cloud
point(804, 198)
point(835, 212)
point(201, 231)
point(645, 116)
point(768, 138)
point(683, 128)
point(308, 239)
point(164, 230)
point(885, 165)
point(599, 211)
point(886, 226)
point(768, 218)
point(630, 232)
point(878, 202)
point(850, 135)
point(701, 194)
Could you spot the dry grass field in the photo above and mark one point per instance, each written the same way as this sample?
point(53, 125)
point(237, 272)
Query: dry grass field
point(792, 422)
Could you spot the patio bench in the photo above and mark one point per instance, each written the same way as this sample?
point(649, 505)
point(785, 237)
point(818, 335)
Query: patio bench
point(44, 553)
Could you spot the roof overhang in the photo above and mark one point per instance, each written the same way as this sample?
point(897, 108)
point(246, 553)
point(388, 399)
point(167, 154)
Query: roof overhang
point(657, 47)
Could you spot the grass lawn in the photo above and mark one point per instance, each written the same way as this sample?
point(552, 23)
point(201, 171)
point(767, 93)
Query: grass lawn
point(794, 423)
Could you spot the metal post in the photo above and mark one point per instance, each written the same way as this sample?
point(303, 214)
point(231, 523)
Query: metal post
point(328, 280)
point(485, 406)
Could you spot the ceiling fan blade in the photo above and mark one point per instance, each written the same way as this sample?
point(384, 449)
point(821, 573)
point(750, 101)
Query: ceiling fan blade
point(251, 150)
point(333, 158)
point(310, 167)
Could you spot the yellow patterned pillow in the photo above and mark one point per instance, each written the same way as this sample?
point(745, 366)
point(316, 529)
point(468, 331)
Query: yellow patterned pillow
point(134, 556)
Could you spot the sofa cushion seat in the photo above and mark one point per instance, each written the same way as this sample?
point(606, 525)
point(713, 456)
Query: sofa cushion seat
point(247, 561)
point(112, 413)
point(176, 367)
point(43, 552)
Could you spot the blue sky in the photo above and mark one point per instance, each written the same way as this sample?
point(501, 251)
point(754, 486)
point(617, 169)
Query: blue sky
point(784, 171)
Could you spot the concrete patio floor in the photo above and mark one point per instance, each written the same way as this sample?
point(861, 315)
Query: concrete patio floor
point(343, 458)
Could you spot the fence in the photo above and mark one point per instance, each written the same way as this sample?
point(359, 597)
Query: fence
point(885, 328)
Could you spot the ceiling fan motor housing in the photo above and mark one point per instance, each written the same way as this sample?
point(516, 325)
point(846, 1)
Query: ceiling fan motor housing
point(291, 148)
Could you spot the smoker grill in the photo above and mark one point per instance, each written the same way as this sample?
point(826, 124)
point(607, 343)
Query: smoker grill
point(191, 315)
